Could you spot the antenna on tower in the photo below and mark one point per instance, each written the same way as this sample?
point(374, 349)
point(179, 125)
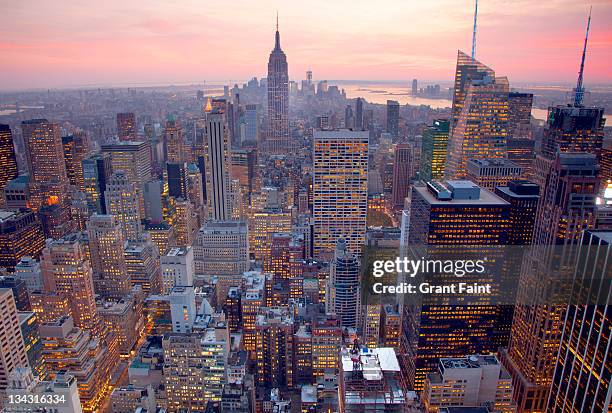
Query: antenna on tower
point(474, 34)
point(276, 20)
point(579, 89)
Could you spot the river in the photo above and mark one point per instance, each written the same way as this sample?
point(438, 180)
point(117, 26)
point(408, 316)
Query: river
point(381, 92)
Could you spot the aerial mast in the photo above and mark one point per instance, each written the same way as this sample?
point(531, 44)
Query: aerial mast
point(579, 89)
point(474, 33)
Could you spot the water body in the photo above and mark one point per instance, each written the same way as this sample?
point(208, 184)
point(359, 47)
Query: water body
point(4, 112)
point(380, 93)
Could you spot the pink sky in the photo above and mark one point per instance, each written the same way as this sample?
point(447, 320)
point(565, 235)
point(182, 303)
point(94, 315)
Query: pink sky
point(79, 42)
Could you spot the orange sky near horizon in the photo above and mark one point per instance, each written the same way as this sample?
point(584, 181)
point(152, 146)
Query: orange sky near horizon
point(73, 43)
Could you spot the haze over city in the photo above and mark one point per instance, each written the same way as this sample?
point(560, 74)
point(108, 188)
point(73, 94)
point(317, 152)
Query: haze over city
point(68, 44)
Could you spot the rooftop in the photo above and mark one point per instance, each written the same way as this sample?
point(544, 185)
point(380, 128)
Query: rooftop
point(492, 163)
point(341, 134)
point(470, 362)
point(383, 359)
point(458, 193)
point(177, 252)
point(309, 394)
point(520, 189)
point(123, 145)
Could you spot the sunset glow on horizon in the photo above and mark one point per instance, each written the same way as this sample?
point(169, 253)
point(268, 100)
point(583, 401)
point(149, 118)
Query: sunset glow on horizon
point(73, 43)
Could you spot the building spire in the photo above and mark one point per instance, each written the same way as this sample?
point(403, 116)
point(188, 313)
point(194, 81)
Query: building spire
point(277, 38)
point(579, 89)
point(474, 33)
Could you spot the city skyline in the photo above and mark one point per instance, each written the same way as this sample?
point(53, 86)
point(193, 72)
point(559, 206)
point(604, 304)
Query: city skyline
point(298, 244)
point(402, 41)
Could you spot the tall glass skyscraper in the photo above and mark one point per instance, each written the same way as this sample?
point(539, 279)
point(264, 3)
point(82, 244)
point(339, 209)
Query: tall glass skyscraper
point(481, 130)
point(433, 150)
point(343, 295)
point(581, 381)
point(468, 69)
point(393, 118)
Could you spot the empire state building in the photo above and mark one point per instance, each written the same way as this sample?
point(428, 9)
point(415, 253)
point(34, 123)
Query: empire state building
point(278, 98)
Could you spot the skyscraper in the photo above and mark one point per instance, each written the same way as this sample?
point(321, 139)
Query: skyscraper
point(123, 318)
point(393, 118)
point(177, 268)
point(45, 157)
point(520, 145)
point(75, 351)
point(8, 160)
point(133, 158)
point(456, 214)
point(401, 173)
point(278, 98)
point(177, 180)
point(182, 308)
point(468, 70)
point(174, 142)
point(349, 118)
point(122, 198)
point(217, 153)
point(340, 190)
point(21, 235)
point(76, 148)
point(482, 126)
point(67, 273)
point(126, 126)
point(185, 223)
point(11, 341)
point(222, 248)
point(433, 150)
point(97, 170)
point(194, 367)
point(519, 115)
point(359, 114)
point(265, 223)
point(251, 120)
point(106, 244)
point(143, 266)
point(474, 380)
point(574, 129)
point(415, 87)
point(491, 173)
point(356, 389)
point(581, 379)
point(566, 208)
point(29, 325)
point(564, 179)
point(153, 201)
point(343, 296)
point(274, 329)
point(523, 197)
